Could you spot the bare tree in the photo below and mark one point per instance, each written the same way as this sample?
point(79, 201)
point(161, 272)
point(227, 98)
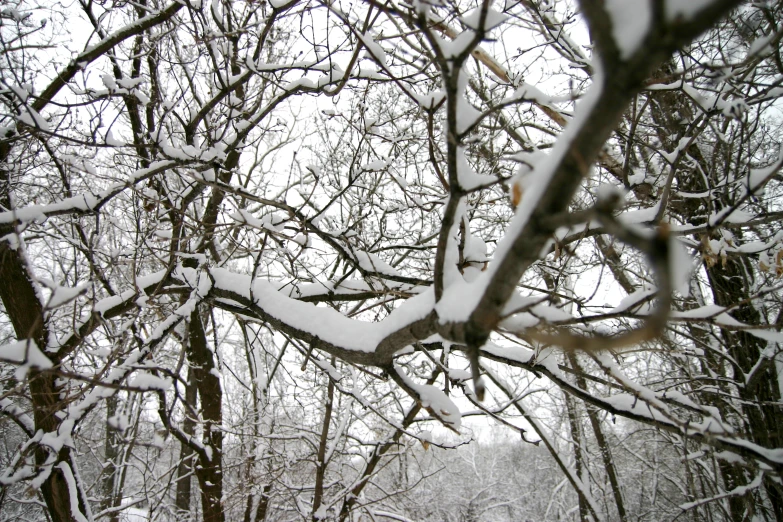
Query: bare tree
point(268, 244)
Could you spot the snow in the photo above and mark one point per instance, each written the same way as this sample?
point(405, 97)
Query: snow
point(520, 322)
point(461, 298)
point(134, 515)
point(119, 422)
point(738, 491)
point(72, 491)
point(301, 83)
point(758, 177)
point(772, 336)
point(61, 438)
point(684, 9)
point(543, 173)
point(64, 294)
point(106, 304)
point(283, 300)
point(150, 279)
point(753, 247)
point(324, 323)
point(27, 355)
point(493, 19)
point(280, 4)
point(644, 215)
point(633, 405)
point(435, 400)
point(130, 83)
point(302, 240)
point(517, 354)
point(429, 100)
point(457, 46)
point(759, 45)
point(374, 49)
point(475, 249)
point(630, 23)
point(456, 374)
point(467, 115)
point(681, 265)
point(20, 92)
point(730, 215)
point(551, 313)
point(108, 81)
point(147, 381)
point(375, 165)
point(633, 299)
point(8, 407)
point(468, 178)
point(17, 15)
point(272, 221)
point(112, 141)
point(703, 312)
point(83, 202)
point(530, 93)
point(345, 287)
point(373, 263)
point(30, 116)
point(774, 455)
point(648, 403)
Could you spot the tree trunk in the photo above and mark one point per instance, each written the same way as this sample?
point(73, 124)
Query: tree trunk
point(186, 453)
point(576, 436)
point(209, 469)
point(25, 311)
point(760, 398)
point(111, 496)
point(320, 469)
point(730, 280)
point(603, 445)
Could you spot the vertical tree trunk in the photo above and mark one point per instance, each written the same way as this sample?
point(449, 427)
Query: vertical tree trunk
point(111, 497)
point(25, 311)
point(320, 469)
point(576, 436)
point(209, 469)
point(730, 281)
point(257, 502)
point(760, 397)
point(603, 445)
point(182, 501)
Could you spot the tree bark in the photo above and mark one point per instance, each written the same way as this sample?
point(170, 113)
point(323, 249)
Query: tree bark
point(603, 445)
point(209, 469)
point(185, 466)
point(730, 279)
point(576, 436)
point(25, 310)
point(320, 469)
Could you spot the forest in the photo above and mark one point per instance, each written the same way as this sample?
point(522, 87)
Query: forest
point(391, 260)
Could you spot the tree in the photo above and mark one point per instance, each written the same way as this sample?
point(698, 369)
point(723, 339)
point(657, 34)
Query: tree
point(266, 245)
